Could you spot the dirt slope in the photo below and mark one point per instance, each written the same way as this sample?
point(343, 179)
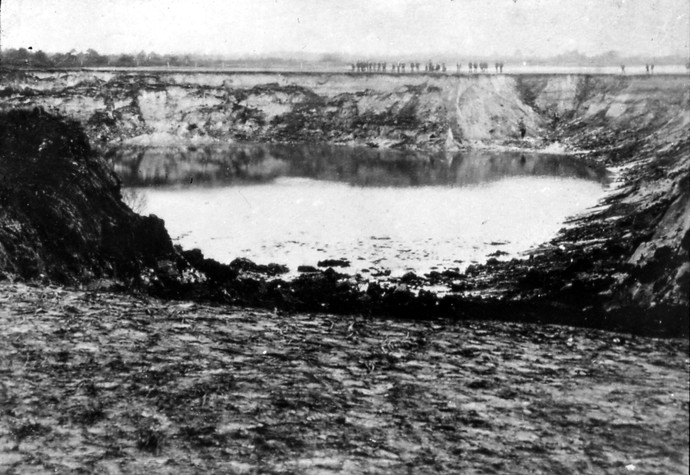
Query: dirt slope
point(61, 216)
point(414, 111)
point(629, 257)
point(104, 383)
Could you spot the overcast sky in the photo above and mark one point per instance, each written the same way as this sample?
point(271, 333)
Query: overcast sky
point(371, 27)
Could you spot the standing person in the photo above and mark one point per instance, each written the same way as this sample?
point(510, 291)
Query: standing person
point(523, 129)
point(646, 67)
point(652, 68)
point(623, 68)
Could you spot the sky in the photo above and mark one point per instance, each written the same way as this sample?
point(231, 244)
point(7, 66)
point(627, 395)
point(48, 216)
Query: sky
point(237, 28)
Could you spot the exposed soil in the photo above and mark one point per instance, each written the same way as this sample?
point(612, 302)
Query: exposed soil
point(62, 217)
point(108, 383)
point(113, 383)
point(631, 257)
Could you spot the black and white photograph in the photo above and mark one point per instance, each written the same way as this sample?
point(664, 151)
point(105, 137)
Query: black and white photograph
point(344, 237)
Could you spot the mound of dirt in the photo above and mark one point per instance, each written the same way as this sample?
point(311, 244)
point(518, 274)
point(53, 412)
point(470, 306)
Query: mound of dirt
point(62, 215)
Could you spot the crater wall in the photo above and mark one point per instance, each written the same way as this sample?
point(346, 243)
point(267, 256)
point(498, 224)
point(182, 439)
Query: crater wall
point(431, 112)
point(632, 254)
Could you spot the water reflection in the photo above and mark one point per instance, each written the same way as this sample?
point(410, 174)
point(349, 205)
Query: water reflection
point(366, 167)
point(373, 207)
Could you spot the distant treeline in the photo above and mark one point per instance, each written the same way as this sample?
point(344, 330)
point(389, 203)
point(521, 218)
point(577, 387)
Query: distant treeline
point(92, 58)
point(27, 57)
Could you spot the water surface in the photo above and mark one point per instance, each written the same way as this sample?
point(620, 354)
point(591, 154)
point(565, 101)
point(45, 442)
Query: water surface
point(382, 210)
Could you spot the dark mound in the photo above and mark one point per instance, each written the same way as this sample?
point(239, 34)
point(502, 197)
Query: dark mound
point(61, 212)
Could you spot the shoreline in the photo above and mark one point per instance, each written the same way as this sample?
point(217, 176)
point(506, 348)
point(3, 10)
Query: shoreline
point(585, 272)
point(154, 359)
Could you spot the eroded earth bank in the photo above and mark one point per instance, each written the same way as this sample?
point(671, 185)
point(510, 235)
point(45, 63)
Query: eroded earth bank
point(503, 397)
point(625, 264)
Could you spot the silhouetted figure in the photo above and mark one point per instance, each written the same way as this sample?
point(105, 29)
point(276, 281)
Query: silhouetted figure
point(469, 67)
point(523, 160)
point(622, 68)
point(652, 68)
point(496, 65)
point(556, 119)
point(646, 67)
point(457, 68)
point(443, 67)
point(476, 67)
point(523, 129)
point(500, 65)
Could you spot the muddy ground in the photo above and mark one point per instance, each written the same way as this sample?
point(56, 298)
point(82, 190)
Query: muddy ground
point(109, 383)
point(92, 381)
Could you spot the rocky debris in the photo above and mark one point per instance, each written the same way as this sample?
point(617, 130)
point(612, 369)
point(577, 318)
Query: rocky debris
point(334, 263)
point(309, 269)
point(245, 265)
point(410, 278)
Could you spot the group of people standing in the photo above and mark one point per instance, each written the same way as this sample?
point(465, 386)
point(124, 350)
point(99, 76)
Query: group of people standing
point(429, 67)
point(483, 67)
point(648, 67)
point(381, 67)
